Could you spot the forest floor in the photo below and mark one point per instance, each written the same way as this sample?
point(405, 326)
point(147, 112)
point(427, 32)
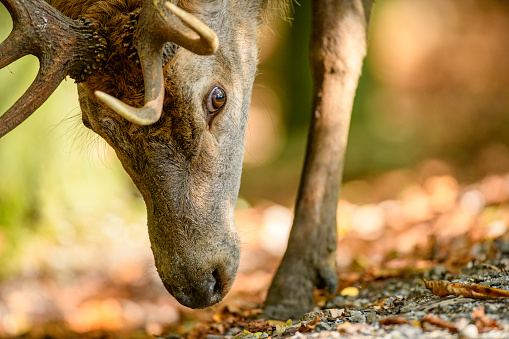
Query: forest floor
point(453, 238)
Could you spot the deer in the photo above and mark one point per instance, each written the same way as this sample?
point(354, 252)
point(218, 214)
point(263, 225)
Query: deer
point(167, 84)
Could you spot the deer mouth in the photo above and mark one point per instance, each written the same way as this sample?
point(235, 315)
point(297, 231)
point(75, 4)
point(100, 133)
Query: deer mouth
point(202, 278)
point(211, 290)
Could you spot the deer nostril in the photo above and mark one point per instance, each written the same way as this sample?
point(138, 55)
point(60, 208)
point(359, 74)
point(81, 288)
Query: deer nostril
point(218, 287)
point(212, 289)
point(217, 277)
point(207, 292)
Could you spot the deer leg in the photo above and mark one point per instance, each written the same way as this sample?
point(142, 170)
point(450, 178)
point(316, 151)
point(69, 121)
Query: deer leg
point(337, 49)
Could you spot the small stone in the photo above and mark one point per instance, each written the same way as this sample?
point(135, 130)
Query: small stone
point(234, 331)
point(469, 331)
point(322, 326)
point(323, 314)
point(444, 308)
point(410, 331)
point(370, 316)
point(290, 331)
point(461, 323)
point(490, 308)
point(357, 317)
point(333, 313)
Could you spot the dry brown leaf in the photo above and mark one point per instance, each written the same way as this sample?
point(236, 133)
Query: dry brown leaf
point(308, 327)
point(493, 267)
point(257, 325)
point(444, 288)
point(218, 328)
point(393, 321)
point(438, 322)
point(483, 323)
point(199, 331)
point(228, 312)
point(275, 322)
point(380, 303)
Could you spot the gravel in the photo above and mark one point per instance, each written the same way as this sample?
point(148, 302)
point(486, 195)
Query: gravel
point(410, 301)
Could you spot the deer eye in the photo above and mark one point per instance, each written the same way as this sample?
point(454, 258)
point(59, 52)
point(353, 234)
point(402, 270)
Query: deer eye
point(215, 100)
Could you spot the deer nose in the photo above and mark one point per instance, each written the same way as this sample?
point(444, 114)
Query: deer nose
point(203, 294)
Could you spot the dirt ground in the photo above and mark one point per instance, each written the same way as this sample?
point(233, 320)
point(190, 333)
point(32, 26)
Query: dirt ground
point(453, 238)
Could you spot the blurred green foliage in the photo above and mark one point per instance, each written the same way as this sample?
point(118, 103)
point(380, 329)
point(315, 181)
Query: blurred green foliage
point(57, 179)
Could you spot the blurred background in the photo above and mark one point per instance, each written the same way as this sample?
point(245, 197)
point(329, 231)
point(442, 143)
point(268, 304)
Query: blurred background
point(431, 115)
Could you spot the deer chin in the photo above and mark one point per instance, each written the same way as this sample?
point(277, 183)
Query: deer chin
point(196, 261)
point(200, 284)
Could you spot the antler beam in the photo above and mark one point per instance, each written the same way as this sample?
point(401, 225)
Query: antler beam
point(63, 47)
point(75, 47)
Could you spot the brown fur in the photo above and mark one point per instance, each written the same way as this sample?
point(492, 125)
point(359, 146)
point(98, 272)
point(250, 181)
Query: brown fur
point(122, 76)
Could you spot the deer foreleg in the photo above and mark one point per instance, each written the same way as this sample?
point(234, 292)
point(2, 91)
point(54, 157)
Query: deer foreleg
point(337, 49)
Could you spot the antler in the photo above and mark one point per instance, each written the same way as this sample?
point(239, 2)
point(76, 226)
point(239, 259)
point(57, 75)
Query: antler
point(63, 47)
point(156, 26)
point(75, 47)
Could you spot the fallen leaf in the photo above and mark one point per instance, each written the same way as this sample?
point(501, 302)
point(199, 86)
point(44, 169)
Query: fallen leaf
point(438, 322)
point(310, 326)
point(255, 334)
point(444, 288)
point(226, 313)
point(350, 291)
point(380, 303)
point(199, 331)
point(493, 267)
point(258, 325)
point(393, 321)
point(275, 322)
point(280, 329)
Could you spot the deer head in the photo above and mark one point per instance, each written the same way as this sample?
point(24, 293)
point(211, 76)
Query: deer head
point(184, 147)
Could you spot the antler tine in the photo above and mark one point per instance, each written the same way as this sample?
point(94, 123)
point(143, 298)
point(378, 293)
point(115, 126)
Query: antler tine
point(44, 85)
point(206, 43)
point(156, 26)
point(11, 49)
point(63, 47)
point(152, 67)
point(14, 47)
